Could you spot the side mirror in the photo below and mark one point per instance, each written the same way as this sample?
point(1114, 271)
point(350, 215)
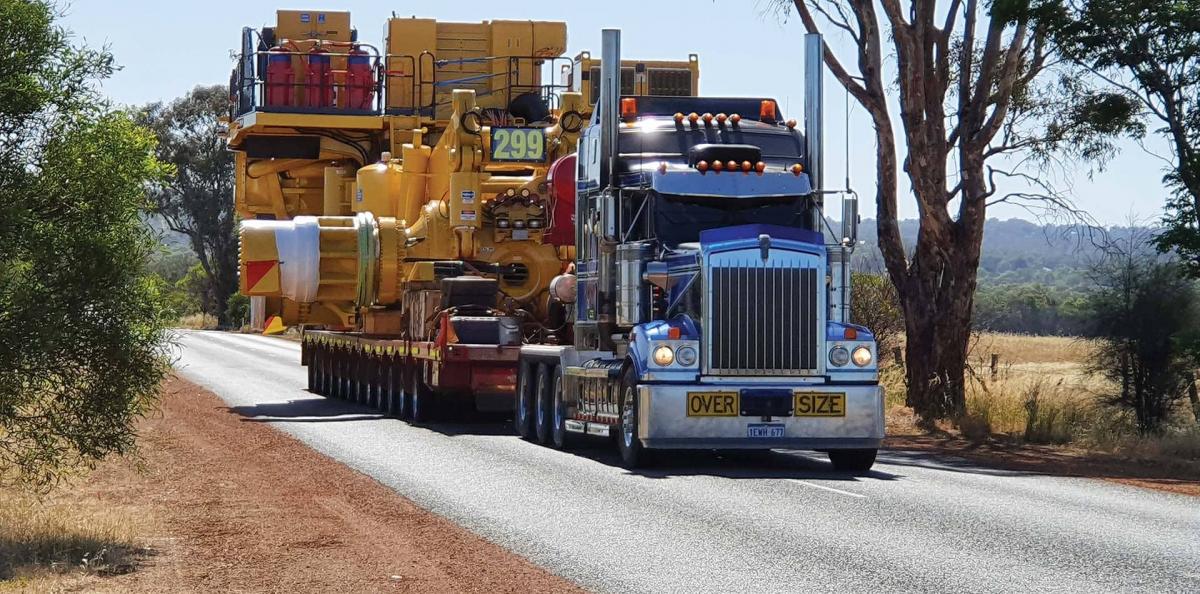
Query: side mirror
point(850, 220)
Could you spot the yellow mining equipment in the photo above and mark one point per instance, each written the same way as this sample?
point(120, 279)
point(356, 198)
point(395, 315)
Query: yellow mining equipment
point(365, 175)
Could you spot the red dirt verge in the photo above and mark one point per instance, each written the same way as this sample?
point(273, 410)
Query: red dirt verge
point(243, 507)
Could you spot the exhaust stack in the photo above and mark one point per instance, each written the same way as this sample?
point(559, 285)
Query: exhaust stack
point(610, 96)
point(814, 110)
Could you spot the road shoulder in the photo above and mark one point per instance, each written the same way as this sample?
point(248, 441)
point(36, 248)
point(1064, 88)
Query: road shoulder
point(240, 506)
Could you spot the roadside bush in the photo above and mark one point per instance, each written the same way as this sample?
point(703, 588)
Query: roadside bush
point(1146, 315)
point(81, 322)
point(875, 304)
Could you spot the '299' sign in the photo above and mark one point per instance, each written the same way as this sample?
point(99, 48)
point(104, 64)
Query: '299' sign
point(518, 144)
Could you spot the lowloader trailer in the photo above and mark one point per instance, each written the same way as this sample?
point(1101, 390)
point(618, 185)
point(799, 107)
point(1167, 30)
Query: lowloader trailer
point(658, 271)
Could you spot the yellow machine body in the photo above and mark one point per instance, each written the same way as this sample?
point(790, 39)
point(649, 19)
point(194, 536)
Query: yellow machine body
point(346, 215)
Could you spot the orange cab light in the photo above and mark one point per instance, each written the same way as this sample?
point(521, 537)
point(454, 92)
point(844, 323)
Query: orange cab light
point(851, 334)
point(678, 118)
point(707, 119)
point(746, 166)
point(718, 166)
point(702, 166)
point(732, 165)
point(693, 118)
point(797, 169)
point(735, 119)
point(628, 108)
point(768, 110)
point(674, 333)
point(791, 124)
point(760, 167)
point(662, 167)
point(721, 118)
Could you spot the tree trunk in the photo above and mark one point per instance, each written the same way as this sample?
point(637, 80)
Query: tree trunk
point(937, 316)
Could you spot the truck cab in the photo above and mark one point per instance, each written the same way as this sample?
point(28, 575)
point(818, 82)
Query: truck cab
point(705, 295)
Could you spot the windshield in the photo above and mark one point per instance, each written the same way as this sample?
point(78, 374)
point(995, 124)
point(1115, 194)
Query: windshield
point(680, 219)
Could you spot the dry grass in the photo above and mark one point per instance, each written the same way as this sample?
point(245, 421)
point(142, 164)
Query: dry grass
point(198, 322)
point(59, 542)
point(1040, 392)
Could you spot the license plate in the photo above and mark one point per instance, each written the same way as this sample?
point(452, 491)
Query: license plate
point(764, 430)
point(820, 404)
point(712, 404)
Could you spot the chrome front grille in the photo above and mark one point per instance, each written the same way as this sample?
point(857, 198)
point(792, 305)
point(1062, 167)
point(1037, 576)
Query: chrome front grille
point(762, 317)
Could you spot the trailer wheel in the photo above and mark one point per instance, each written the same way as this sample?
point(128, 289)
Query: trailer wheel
point(335, 373)
point(406, 392)
point(544, 404)
point(312, 368)
point(422, 397)
point(852, 460)
point(561, 439)
point(523, 415)
point(633, 454)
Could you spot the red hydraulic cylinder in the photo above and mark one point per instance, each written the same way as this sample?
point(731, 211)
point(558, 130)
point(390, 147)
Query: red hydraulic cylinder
point(360, 84)
point(318, 85)
point(280, 78)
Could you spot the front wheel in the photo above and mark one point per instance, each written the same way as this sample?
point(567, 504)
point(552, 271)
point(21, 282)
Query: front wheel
point(852, 460)
point(633, 454)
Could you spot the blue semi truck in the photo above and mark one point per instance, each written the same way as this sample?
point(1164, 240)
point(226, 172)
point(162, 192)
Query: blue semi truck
point(708, 302)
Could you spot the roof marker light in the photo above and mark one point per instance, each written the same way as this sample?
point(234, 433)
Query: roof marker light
point(707, 119)
point(767, 111)
point(760, 167)
point(678, 118)
point(629, 108)
point(746, 166)
point(735, 119)
point(732, 165)
point(721, 119)
point(702, 167)
point(791, 124)
point(662, 167)
point(693, 118)
point(797, 169)
point(717, 166)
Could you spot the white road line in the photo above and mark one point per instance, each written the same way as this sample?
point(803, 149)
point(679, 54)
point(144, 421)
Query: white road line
point(816, 486)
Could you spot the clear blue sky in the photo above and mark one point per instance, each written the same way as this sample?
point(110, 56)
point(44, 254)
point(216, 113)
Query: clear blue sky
point(166, 47)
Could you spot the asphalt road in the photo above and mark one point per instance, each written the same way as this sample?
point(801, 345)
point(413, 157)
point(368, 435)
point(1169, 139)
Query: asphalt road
point(780, 522)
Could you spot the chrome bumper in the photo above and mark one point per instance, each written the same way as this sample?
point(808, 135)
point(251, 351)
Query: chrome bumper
point(664, 423)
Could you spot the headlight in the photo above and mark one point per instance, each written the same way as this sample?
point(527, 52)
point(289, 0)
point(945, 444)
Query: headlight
point(663, 356)
point(839, 356)
point(862, 356)
point(686, 356)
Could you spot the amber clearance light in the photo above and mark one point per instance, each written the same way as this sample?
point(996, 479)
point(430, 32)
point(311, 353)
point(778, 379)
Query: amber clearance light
point(628, 108)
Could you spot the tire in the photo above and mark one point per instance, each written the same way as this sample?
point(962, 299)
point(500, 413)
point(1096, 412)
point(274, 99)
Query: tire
point(406, 393)
point(312, 369)
point(633, 453)
point(422, 397)
point(543, 405)
point(560, 438)
point(852, 460)
point(387, 381)
point(523, 414)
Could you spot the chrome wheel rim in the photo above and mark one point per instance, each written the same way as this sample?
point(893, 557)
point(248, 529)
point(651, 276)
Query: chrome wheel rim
point(558, 406)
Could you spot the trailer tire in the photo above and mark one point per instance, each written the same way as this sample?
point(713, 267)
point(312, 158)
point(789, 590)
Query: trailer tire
point(560, 438)
point(633, 453)
point(544, 404)
point(422, 398)
point(852, 460)
point(312, 369)
point(406, 392)
point(523, 414)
